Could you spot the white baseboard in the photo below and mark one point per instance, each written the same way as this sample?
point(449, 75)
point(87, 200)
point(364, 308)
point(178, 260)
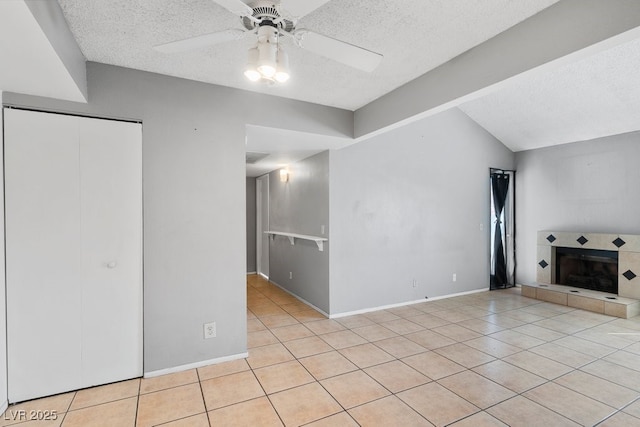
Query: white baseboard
point(194, 365)
point(402, 304)
point(250, 273)
point(301, 299)
point(458, 294)
point(263, 275)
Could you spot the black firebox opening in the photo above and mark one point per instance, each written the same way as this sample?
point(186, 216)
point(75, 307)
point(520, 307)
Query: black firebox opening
point(587, 268)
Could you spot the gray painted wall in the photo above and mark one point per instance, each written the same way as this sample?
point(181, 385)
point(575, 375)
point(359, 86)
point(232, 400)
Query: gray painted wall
point(301, 206)
point(251, 224)
point(589, 186)
point(194, 198)
point(408, 205)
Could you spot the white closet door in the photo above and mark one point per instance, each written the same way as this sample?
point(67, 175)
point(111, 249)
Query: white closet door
point(111, 238)
point(74, 252)
point(43, 254)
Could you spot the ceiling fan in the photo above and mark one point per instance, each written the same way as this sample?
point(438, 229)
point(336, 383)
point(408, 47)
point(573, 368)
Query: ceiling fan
point(270, 20)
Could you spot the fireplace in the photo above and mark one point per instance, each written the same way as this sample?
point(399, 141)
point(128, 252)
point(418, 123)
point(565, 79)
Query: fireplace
point(604, 267)
point(592, 261)
point(587, 268)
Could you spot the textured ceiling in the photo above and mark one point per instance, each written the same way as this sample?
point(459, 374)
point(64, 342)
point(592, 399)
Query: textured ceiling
point(594, 97)
point(414, 36)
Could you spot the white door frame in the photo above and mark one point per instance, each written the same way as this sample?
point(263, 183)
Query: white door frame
point(262, 225)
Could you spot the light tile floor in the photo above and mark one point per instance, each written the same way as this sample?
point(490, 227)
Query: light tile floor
point(486, 359)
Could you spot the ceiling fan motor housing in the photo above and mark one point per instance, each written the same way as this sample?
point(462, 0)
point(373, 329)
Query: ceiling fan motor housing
point(267, 13)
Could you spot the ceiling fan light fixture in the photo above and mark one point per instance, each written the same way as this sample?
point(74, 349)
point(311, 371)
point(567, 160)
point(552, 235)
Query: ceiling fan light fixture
point(250, 70)
point(267, 59)
point(267, 70)
point(282, 70)
point(252, 75)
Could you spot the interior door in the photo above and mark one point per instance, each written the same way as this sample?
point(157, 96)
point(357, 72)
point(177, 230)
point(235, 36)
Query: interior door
point(42, 254)
point(262, 218)
point(111, 250)
point(73, 252)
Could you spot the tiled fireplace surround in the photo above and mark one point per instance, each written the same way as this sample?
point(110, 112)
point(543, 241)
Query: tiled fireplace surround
point(626, 304)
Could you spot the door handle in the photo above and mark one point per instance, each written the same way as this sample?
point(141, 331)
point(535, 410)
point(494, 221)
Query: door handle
point(112, 264)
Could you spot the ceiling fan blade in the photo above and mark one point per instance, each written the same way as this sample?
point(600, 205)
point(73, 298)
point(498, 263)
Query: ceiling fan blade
point(198, 42)
point(236, 7)
point(300, 8)
point(340, 51)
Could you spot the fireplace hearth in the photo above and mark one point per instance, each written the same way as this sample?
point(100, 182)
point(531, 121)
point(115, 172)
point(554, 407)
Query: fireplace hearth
point(598, 272)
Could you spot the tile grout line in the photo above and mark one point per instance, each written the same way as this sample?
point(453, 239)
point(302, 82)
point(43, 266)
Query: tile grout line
point(135, 420)
point(75, 394)
point(204, 401)
point(637, 399)
point(266, 395)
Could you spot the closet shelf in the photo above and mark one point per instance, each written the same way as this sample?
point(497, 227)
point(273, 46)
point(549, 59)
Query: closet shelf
point(292, 236)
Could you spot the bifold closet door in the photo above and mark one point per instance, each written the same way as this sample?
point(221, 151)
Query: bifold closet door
point(73, 196)
point(111, 250)
point(42, 254)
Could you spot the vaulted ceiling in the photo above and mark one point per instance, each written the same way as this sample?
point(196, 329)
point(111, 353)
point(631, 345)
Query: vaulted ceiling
point(586, 92)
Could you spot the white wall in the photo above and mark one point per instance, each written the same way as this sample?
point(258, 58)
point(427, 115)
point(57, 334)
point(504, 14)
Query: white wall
point(408, 205)
point(3, 305)
point(251, 224)
point(194, 198)
point(589, 186)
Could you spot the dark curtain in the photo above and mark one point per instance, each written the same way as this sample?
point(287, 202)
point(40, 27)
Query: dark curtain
point(499, 189)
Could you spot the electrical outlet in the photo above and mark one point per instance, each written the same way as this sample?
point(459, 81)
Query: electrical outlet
point(322, 230)
point(481, 226)
point(414, 283)
point(454, 277)
point(209, 330)
point(290, 275)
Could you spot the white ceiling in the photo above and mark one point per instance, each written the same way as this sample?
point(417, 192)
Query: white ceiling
point(414, 36)
point(595, 97)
